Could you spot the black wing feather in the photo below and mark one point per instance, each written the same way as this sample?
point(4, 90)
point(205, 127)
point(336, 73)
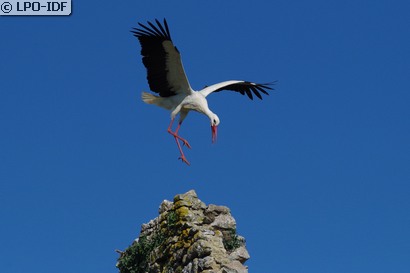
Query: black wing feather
point(163, 31)
point(248, 88)
point(154, 55)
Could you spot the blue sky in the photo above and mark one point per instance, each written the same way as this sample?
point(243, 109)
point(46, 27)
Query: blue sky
point(317, 174)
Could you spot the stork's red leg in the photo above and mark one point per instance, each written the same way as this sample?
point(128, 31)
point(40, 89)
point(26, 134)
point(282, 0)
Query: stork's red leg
point(177, 137)
point(182, 157)
point(175, 134)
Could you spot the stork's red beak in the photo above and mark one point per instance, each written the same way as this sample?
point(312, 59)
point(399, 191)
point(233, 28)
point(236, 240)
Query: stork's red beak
point(214, 133)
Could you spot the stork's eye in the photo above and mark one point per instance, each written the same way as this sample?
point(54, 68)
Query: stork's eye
point(214, 121)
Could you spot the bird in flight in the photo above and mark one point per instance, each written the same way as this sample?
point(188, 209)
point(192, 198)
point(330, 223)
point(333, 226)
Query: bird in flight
point(167, 78)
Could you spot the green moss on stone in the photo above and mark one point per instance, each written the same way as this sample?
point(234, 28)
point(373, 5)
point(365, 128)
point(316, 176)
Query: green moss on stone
point(172, 219)
point(231, 240)
point(136, 258)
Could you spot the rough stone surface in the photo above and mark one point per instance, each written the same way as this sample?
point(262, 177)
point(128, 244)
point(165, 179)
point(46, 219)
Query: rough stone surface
point(187, 237)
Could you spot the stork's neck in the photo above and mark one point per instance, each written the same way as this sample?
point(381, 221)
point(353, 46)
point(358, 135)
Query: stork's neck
point(209, 113)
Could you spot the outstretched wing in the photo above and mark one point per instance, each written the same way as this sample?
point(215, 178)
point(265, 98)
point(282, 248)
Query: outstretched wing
point(165, 72)
point(242, 87)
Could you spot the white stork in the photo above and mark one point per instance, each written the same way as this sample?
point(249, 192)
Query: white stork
point(166, 77)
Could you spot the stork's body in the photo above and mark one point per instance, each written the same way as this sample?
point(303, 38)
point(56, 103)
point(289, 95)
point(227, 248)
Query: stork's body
point(166, 76)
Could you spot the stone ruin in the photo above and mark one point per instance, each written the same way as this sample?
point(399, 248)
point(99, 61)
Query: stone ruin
point(187, 237)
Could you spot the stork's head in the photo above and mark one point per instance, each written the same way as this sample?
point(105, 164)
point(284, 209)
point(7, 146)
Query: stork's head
point(214, 126)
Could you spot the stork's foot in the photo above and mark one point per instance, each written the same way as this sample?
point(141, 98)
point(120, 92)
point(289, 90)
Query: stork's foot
point(177, 138)
point(183, 158)
point(185, 142)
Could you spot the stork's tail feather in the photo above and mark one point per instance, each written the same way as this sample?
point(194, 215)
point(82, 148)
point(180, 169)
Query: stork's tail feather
point(149, 98)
